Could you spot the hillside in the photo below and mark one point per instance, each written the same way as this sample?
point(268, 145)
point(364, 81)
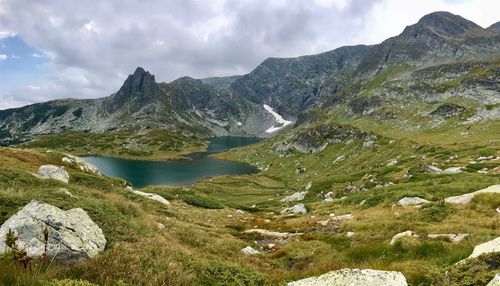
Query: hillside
point(387, 157)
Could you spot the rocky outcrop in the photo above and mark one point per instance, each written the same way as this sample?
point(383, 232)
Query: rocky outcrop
point(80, 164)
point(272, 234)
point(449, 110)
point(466, 198)
point(487, 247)
point(453, 237)
point(249, 251)
point(400, 235)
point(53, 172)
point(316, 139)
point(296, 209)
point(297, 196)
point(408, 201)
point(151, 196)
point(354, 277)
point(72, 235)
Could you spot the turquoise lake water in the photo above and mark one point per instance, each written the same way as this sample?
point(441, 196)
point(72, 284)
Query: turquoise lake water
point(177, 172)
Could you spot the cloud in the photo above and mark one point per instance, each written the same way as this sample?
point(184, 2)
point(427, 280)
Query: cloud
point(3, 57)
point(36, 55)
point(94, 45)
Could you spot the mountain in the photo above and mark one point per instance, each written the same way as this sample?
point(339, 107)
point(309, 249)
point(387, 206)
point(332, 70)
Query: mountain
point(433, 60)
point(495, 27)
point(294, 84)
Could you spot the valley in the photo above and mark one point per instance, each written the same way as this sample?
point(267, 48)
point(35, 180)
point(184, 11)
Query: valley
point(382, 157)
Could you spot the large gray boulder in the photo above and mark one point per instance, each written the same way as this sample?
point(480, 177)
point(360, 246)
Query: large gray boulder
point(297, 196)
point(495, 281)
point(354, 277)
point(53, 172)
point(73, 236)
point(487, 247)
point(408, 201)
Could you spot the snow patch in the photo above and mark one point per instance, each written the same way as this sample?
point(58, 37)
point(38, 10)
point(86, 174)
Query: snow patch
point(279, 120)
point(238, 123)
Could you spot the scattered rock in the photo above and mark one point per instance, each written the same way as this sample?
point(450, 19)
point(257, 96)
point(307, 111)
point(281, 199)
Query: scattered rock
point(153, 197)
point(339, 159)
point(466, 198)
point(297, 196)
point(452, 170)
point(433, 169)
point(487, 247)
point(249, 251)
point(485, 158)
point(66, 192)
point(160, 226)
point(308, 186)
point(400, 235)
point(328, 197)
point(300, 170)
point(354, 277)
point(361, 203)
point(296, 209)
point(495, 281)
point(273, 234)
point(73, 236)
point(408, 201)
point(81, 164)
point(454, 237)
point(392, 162)
point(350, 234)
point(53, 172)
point(240, 212)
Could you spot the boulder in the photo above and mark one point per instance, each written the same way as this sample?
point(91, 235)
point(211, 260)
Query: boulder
point(487, 247)
point(298, 196)
point(249, 251)
point(433, 169)
point(152, 196)
point(466, 198)
point(495, 281)
point(81, 164)
point(400, 235)
point(408, 201)
point(296, 209)
point(72, 235)
point(452, 170)
point(53, 172)
point(354, 277)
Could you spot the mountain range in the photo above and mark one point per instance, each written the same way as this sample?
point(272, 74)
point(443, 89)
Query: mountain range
point(434, 60)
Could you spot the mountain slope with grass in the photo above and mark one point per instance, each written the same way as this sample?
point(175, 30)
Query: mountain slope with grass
point(384, 139)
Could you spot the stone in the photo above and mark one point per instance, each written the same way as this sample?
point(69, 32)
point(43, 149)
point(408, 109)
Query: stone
point(408, 201)
point(249, 251)
point(453, 237)
point(328, 197)
point(240, 212)
point(433, 169)
point(400, 235)
point(72, 235)
point(339, 159)
point(153, 197)
point(452, 170)
point(297, 196)
point(272, 234)
point(495, 281)
point(296, 209)
point(78, 162)
point(485, 158)
point(350, 234)
point(160, 225)
point(466, 198)
point(392, 162)
point(53, 172)
point(487, 247)
point(66, 192)
point(354, 277)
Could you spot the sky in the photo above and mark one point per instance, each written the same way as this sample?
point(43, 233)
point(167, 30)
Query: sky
point(53, 49)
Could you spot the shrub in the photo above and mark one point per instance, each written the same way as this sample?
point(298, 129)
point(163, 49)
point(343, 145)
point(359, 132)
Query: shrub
point(477, 271)
point(202, 202)
point(222, 274)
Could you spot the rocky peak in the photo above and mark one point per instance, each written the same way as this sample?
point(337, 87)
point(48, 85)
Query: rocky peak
point(139, 86)
point(443, 24)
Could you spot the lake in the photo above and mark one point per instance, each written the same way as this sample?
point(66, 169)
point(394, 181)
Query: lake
point(177, 172)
